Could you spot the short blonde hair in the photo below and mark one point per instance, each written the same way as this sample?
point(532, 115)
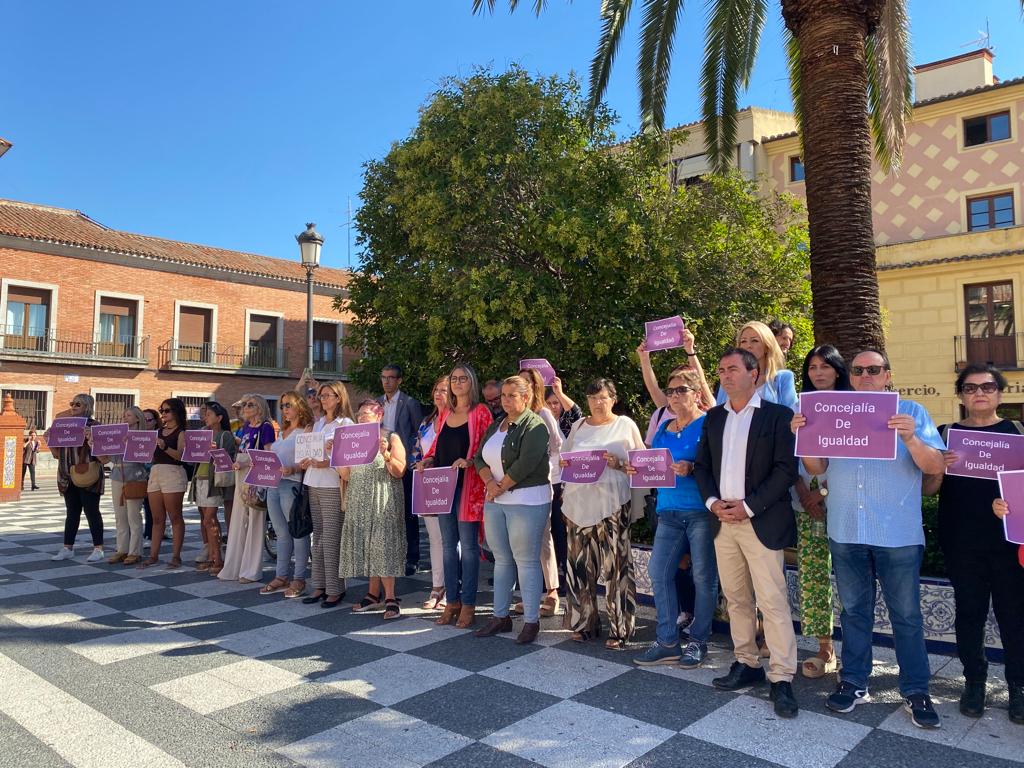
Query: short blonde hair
point(776, 360)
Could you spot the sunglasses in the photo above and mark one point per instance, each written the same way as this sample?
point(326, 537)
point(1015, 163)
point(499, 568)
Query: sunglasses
point(669, 391)
point(287, 405)
point(870, 370)
point(249, 404)
point(77, 405)
point(310, 392)
point(988, 388)
point(165, 410)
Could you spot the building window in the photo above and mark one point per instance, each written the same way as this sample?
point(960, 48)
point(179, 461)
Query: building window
point(195, 330)
point(990, 329)
point(193, 406)
point(263, 341)
point(31, 405)
point(796, 169)
point(118, 326)
point(987, 128)
point(28, 319)
point(110, 406)
point(990, 212)
point(326, 354)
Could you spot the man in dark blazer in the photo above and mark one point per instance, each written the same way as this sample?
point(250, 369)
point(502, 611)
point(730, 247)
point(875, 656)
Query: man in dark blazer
point(745, 468)
point(402, 415)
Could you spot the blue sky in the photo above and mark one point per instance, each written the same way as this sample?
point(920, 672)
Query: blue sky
point(232, 123)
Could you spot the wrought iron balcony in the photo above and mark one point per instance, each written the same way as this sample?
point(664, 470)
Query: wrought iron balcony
point(331, 366)
point(255, 358)
point(48, 345)
point(1003, 352)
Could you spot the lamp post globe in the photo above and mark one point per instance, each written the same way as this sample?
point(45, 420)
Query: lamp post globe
point(310, 243)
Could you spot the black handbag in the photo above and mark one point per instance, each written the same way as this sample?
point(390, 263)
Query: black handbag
point(300, 521)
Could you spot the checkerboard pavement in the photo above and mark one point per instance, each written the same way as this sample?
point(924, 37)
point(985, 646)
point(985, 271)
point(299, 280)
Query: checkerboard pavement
point(108, 665)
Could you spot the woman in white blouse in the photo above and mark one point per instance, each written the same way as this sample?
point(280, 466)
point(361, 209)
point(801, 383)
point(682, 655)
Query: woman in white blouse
point(597, 523)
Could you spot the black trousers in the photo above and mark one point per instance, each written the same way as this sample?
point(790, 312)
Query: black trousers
point(31, 469)
point(412, 523)
point(77, 500)
point(978, 578)
point(558, 536)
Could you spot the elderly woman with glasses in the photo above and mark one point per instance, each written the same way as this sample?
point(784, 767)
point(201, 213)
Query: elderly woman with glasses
point(168, 482)
point(78, 498)
point(598, 516)
point(325, 500)
point(243, 559)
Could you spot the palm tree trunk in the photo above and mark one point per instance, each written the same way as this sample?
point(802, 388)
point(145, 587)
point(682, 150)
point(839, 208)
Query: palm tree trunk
point(837, 164)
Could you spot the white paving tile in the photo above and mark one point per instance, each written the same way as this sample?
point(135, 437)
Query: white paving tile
point(112, 589)
point(404, 634)
point(271, 639)
point(183, 610)
point(222, 687)
point(284, 609)
point(993, 734)
point(24, 557)
point(20, 588)
point(955, 727)
point(213, 587)
point(65, 572)
point(62, 614)
point(749, 725)
point(393, 678)
point(398, 741)
point(556, 672)
point(715, 665)
point(128, 645)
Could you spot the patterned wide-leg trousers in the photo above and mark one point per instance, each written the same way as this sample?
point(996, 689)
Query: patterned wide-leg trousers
point(596, 552)
point(815, 563)
point(325, 509)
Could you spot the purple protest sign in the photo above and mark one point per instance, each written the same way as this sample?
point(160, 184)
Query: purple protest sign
point(355, 444)
point(221, 461)
point(1011, 490)
point(265, 471)
point(541, 366)
point(584, 466)
point(108, 439)
point(984, 454)
point(433, 490)
point(198, 444)
point(664, 334)
point(653, 468)
point(66, 432)
point(847, 425)
point(139, 447)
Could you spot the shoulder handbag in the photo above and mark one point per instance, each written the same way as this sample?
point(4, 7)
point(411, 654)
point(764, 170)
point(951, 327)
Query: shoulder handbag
point(86, 474)
point(135, 489)
point(300, 521)
point(224, 479)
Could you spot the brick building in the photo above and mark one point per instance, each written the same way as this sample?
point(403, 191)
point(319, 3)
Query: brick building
point(132, 319)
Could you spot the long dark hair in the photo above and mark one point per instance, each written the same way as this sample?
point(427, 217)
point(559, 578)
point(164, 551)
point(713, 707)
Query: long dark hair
point(178, 410)
point(834, 360)
point(222, 414)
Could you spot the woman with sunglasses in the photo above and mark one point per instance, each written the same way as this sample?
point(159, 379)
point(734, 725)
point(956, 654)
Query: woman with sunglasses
point(78, 499)
point(296, 419)
point(243, 559)
point(983, 566)
point(463, 425)
point(168, 482)
point(210, 495)
point(127, 512)
point(428, 430)
point(325, 500)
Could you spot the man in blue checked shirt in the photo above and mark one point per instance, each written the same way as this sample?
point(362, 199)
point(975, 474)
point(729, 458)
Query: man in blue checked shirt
point(875, 531)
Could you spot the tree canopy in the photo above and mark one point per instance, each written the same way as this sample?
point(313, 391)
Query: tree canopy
point(510, 224)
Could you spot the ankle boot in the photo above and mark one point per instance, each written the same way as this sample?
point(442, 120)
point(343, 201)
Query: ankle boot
point(972, 700)
point(467, 616)
point(528, 633)
point(1017, 703)
point(450, 613)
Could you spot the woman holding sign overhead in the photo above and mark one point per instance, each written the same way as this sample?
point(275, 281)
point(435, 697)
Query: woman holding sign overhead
point(128, 482)
point(598, 518)
point(982, 564)
point(775, 381)
point(167, 482)
point(462, 429)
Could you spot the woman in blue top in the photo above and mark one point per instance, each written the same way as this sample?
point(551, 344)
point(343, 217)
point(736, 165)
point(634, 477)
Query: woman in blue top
point(684, 524)
point(776, 381)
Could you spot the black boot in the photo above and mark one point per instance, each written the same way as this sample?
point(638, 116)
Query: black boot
point(1017, 704)
point(972, 700)
point(740, 676)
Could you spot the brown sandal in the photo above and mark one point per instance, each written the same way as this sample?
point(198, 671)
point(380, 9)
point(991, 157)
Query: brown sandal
point(277, 584)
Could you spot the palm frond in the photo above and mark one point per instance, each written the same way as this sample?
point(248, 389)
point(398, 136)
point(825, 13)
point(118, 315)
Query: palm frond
point(731, 41)
point(538, 5)
point(887, 51)
point(793, 65)
point(614, 14)
point(657, 35)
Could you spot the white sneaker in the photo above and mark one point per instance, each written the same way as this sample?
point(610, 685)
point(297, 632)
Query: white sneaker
point(64, 554)
point(96, 556)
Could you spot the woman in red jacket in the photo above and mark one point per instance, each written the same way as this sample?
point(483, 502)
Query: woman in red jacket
point(462, 429)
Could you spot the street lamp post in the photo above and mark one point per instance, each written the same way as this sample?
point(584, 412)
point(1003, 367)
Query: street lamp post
point(310, 242)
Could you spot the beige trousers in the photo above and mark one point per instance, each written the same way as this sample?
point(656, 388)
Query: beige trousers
point(128, 519)
point(243, 558)
point(747, 567)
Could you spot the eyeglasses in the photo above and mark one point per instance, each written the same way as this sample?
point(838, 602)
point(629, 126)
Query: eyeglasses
point(988, 388)
point(287, 405)
point(77, 405)
point(598, 398)
point(165, 410)
point(459, 379)
point(248, 404)
point(669, 391)
point(870, 370)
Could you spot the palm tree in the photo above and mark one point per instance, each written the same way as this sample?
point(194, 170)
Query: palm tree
point(850, 76)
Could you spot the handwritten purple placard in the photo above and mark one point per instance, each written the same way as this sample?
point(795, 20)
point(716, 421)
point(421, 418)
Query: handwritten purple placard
point(1011, 490)
point(221, 460)
point(140, 446)
point(984, 454)
point(198, 444)
point(664, 334)
point(653, 468)
point(108, 439)
point(265, 470)
point(66, 432)
point(433, 490)
point(848, 425)
point(355, 444)
point(584, 466)
point(541, 366)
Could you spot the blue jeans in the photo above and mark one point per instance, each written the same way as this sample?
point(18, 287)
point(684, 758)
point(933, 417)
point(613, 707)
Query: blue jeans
point(461, 563)
point(898, 570)
point(680, 531)
point(515, 532)
point(279, 500)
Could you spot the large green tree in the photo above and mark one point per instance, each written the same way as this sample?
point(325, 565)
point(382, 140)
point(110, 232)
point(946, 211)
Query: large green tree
point(510, 224)
point(850, 76)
